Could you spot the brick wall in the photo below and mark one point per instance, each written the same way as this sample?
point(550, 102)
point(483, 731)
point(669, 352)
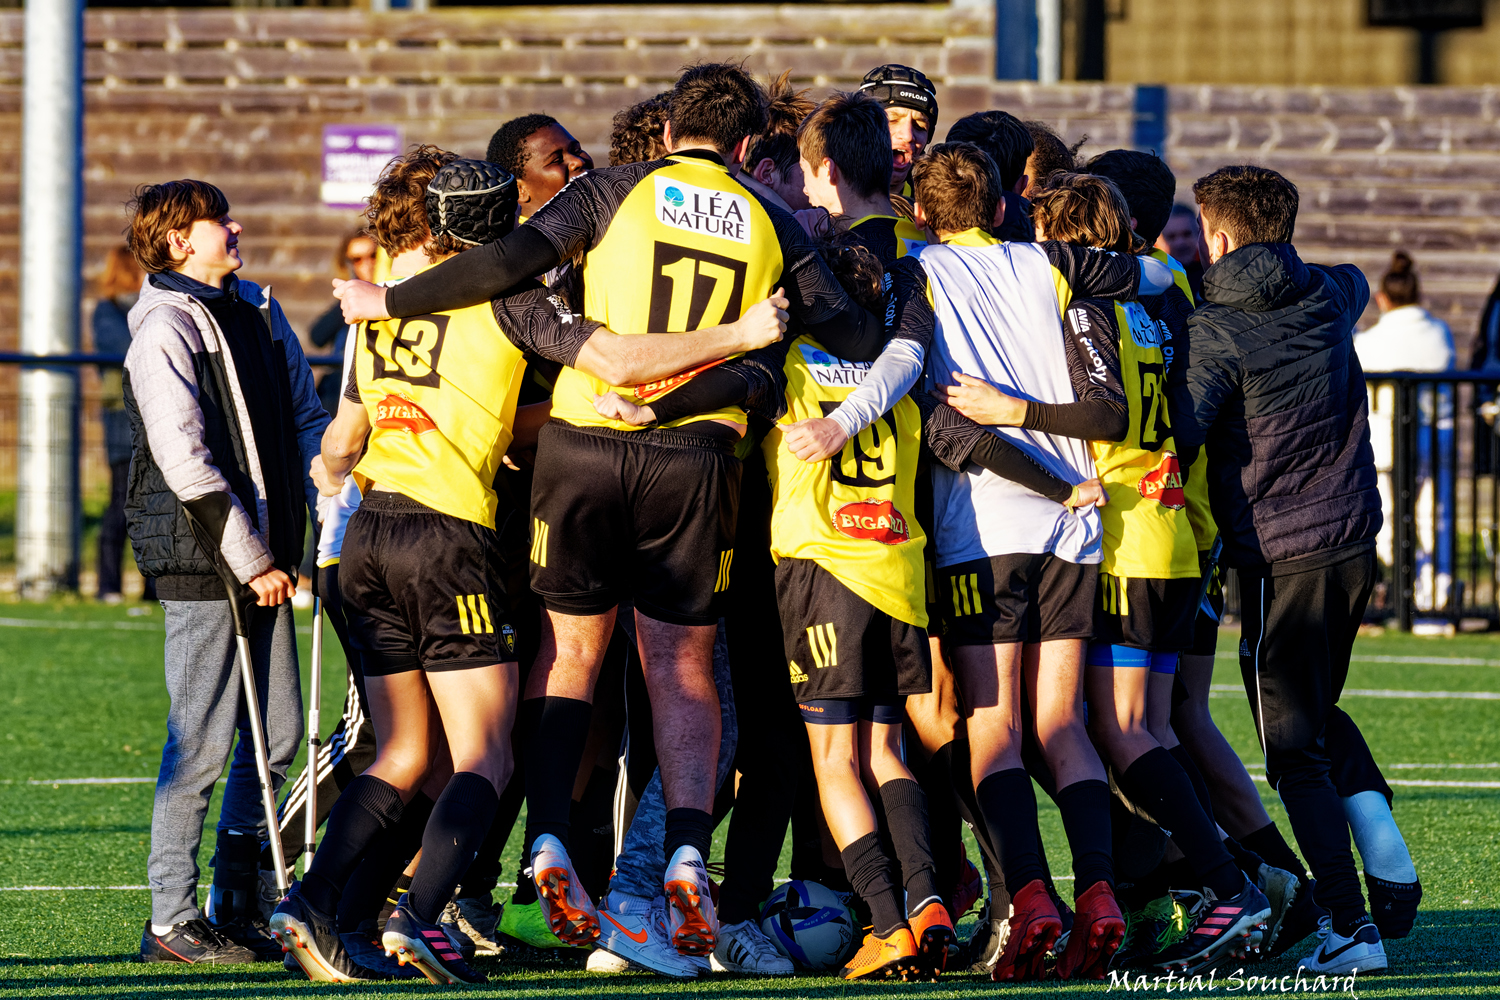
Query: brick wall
point(240, 98)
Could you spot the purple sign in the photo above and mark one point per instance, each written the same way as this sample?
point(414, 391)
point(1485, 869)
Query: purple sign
point(353, 156)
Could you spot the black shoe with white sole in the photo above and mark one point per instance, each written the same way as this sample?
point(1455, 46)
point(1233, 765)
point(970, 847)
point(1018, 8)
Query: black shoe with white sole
point(311, 937)
point(1220, 928)
point(193, 942)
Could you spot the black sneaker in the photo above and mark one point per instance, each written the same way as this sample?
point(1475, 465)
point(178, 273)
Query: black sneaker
point(194, 942)
point(311, 937)
point(365, 949)
point(427, 946)
point(254, 934)
point(988, 940)
point(1220, 927)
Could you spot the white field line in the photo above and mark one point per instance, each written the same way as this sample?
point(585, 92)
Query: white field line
point(1431, 661)
point(1224, 690)
point(49, 623)
point(1414, 783)
point(106, 626)
point(135, 888)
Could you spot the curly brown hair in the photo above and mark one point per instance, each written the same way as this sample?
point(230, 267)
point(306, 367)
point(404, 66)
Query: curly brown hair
point(857, 269)
point(158, 209)
point(637, 130)
point(1085, 209)
point(398, 209)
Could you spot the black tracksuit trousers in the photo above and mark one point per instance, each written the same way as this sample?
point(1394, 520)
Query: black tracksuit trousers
point(1300, 620)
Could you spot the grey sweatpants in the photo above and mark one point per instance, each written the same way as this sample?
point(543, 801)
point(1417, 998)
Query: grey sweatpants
point(641, 867)
point(207, 710)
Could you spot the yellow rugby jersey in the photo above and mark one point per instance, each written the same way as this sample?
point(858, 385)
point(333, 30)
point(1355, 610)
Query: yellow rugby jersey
point(1147, 533)
point(1202, 518)
point(853, 514)
point(441, 392)
point(688, 248)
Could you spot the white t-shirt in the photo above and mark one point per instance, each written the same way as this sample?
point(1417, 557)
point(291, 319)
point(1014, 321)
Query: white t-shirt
point(999, 319)
point(1407, 339)
point(336, 511)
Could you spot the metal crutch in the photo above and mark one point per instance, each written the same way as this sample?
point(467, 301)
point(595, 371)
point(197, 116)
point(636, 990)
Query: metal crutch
point(314, 743)
point(206, 517)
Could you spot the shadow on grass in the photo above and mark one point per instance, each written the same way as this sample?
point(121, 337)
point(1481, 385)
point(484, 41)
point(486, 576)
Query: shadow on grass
point(1447, 948)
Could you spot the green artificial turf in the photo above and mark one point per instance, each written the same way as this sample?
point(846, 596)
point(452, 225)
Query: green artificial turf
point(87, 701)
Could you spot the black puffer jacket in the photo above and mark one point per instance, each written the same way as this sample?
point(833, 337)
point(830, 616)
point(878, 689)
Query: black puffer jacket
point(1273, 389)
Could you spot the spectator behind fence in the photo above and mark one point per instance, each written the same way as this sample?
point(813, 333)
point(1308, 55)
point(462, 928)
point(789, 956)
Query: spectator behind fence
point(1486, 356)
point(1409, 338)
point(1183, 240)
point(119, 287)
point(225, 422)
point(355, 259)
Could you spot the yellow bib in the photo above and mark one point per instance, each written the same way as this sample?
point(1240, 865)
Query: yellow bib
point(441, 394)
point(1202, 519)
point(853, 514)
point(1146, 529)
point(688, 249)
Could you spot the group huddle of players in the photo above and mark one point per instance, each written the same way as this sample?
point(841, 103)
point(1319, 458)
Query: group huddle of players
point(862, 463)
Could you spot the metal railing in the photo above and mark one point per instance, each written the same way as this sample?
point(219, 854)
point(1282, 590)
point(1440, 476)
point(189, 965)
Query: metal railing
point(1436, 437)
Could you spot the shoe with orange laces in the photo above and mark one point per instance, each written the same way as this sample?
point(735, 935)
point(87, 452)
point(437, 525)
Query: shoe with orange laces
point(932, 929)
point(565, 903)
point(1034, 928)
point(891, 957)
point(1098, 929)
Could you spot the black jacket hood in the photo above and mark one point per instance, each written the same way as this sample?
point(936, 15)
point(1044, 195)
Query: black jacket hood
point(1257, 278)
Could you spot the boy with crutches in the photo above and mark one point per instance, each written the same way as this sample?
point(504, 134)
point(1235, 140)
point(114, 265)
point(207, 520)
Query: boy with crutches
point(225, 421)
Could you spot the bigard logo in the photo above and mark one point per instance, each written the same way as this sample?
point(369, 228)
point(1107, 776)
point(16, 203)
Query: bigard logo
point(876, 520)
point(1164, 484)
point(705, 211)
point(400, 414)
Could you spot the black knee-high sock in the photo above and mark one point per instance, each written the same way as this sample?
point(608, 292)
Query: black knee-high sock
point(1246, 860)
point(943, 823)
point(366, 807)
point(1008, 804)
point(557, 729)
point(870, 874)
point(1269, 844)
point(1157, 782)
point(460, 821)
point(906, 812)
point(367, 889)
point(1085, 814)
point(1200, 787)
point(484, 874)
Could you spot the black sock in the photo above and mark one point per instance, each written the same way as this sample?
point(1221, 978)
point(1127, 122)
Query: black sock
point(1190, 768)
point(1271, 845)
point(689, 828)
point(945, 828)
point(484, 874)
point(459, 823)
point(1134, 895)
point(1247, 861)
point(369, 887)
point(1008, 805)
point(906, 812)
point(1157, 782)
point(1085, 814)
point(365, 807)
point(1180, 873)
point(870, 874)
point(557, 729)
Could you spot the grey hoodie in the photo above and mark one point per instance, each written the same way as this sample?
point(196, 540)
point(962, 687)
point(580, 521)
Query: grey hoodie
point(178, 366)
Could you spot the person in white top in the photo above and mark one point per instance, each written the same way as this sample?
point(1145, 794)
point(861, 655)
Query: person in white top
point(1408, 338)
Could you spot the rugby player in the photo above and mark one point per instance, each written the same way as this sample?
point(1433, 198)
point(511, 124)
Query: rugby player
point(1148, 578)
point(433, 633)
point(541, 155)
point(1017, 567)
point(664, 533)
